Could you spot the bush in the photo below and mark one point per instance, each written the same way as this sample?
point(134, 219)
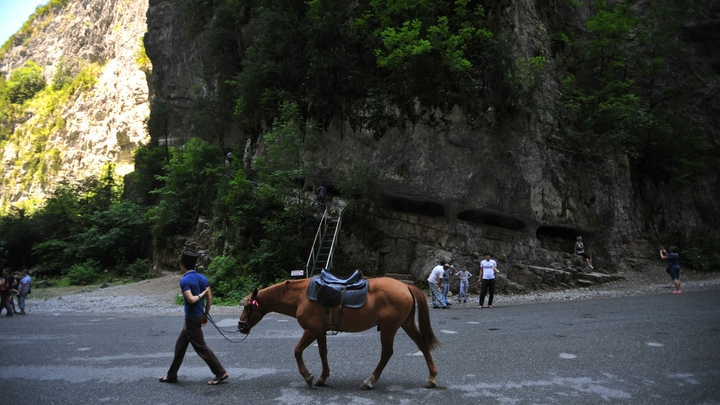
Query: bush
point(63, 74)
point(228, 283)
point(85, 273)
point(140, 269)
point(25, 82)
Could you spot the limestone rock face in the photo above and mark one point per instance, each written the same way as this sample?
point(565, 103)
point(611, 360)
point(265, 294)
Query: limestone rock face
point(454, 185)
point(101, 125)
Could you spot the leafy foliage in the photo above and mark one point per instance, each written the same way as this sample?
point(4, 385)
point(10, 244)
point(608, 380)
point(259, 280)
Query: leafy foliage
point(189, 186)
point(80, 231)
point(84, 273)
point(330, 57)
point(268, 229)
point(25, 82)
point(63, 74)
point(612, 105)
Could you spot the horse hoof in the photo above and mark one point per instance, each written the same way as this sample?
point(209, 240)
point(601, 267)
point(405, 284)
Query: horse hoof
point(309, 381)
point(430, 384)
point(367, 384)
point(320, 382)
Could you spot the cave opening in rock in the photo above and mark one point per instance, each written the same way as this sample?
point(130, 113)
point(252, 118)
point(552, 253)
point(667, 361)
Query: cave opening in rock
point(559, 232)
point(488, 218)
point(406, 205)
point(559, 238)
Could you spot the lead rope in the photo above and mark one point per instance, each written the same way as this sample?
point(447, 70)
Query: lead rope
point(223, 331)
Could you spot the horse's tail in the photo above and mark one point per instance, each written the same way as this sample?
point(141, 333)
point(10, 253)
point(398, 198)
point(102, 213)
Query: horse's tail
point(426, 331)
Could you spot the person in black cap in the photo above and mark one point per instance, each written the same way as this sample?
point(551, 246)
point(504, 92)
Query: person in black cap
point(195, 288)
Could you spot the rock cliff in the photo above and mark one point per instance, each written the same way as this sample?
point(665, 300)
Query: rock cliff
point(98, 125)
point(454, 184)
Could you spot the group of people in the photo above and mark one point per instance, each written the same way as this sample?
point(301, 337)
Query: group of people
point(11, 287)
point(441, 275)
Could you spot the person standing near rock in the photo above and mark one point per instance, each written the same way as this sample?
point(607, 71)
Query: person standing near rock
point(464, 277)
point(448, 271)
point(487, 280)
point(195, 287)
point(580, 251)
point(23, 291)
point(436, 285)
point(320, 198)
point(673, 266)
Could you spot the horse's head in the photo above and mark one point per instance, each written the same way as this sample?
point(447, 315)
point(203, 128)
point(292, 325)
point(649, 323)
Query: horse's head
point(251, 314)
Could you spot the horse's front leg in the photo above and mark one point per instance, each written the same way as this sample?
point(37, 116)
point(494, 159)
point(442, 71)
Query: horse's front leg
point(322, 348)
point(307, 338)
point(387, 337)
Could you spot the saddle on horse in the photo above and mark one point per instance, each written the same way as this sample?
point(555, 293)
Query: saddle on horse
point(331, 291)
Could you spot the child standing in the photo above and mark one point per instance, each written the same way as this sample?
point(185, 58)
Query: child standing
point(464, 277)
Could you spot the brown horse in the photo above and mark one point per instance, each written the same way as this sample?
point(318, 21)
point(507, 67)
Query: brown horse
point(390, 305)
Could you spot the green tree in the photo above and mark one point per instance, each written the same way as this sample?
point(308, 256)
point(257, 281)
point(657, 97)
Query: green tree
point(189, 187)
point(283, 165)
point(613, 104)
point(63, 74)
point(25, 82)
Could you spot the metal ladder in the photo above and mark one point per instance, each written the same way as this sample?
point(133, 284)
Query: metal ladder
point(325, 243)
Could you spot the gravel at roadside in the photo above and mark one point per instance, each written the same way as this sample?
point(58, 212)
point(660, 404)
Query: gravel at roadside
point(157, 296)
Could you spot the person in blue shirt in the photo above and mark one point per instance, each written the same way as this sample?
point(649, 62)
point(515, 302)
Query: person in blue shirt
point(673, 266)
point(195, 288)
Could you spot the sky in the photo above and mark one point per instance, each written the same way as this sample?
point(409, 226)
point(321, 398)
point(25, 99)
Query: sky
point(13, 14)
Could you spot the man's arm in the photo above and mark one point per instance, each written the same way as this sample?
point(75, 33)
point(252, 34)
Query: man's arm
point(23, 287)
point(195, 298)
point(208, 303)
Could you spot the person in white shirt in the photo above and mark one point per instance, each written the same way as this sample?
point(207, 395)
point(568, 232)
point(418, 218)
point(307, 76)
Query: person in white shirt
point(487, 279)
point(23, 290)
point(435, 281)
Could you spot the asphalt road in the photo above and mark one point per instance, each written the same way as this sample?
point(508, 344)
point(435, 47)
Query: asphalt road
point(661, 349)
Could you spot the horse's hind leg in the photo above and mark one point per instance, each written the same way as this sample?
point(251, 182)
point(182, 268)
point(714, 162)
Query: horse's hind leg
point(322, 348)
point(307, 338)
point(411, 329)
point(387, 337)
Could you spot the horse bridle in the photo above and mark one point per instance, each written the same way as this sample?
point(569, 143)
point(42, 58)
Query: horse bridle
point(245, 326)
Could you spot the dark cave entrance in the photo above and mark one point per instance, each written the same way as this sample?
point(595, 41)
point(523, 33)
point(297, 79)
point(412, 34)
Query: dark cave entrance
point(481, 217)
point(408, 206)
point(560, 238)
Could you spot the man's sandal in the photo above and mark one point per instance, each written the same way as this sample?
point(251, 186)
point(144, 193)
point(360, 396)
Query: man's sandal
point(166, 379)
point(218, 380)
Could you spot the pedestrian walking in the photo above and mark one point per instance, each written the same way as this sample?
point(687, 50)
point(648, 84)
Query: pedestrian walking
point(198, 300)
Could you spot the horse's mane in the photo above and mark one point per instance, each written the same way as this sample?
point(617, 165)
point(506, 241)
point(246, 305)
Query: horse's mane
point(275, 293)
